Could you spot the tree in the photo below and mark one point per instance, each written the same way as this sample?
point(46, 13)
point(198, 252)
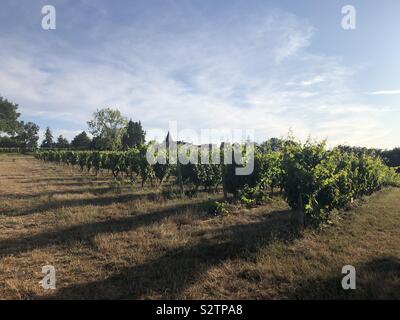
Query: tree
point(97, 143)
point(62, 143)
point(108, 126)
point(48, 139)
point(134, 135)
point(8, 117)
point(8, 142)
point(273, 144)
point(392, 157)
point(28, 135)
point(81, 141)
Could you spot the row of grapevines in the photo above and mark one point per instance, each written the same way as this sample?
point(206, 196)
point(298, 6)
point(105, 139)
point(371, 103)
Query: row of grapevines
point(17, 150)
point(310, 175)
point(133, 163)
point(321, 180)
point(130, 163)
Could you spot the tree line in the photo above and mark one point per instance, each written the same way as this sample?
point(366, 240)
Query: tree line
point(110, 130)
point(13, 132)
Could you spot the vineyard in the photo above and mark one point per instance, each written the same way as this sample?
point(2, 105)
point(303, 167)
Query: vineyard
point(110, 236)
point(199, 150)
point(312, 179)
point(17, 150)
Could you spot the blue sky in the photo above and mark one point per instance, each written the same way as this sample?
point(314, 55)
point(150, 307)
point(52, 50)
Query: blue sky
point(270, 66)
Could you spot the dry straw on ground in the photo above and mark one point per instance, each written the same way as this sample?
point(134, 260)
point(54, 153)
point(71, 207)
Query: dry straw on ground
point(132, 245)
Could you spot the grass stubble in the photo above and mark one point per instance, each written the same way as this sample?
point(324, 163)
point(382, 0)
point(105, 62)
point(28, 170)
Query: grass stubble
point(129, 244)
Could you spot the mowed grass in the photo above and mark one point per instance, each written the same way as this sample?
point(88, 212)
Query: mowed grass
point(133, 244)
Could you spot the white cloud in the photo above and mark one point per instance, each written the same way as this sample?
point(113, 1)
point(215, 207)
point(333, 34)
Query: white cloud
point(316, 79)
point(255, 73)
point(385, 92)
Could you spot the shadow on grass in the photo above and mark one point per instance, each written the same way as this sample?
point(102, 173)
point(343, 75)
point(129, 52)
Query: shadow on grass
point(82, 183)
point(54, 205)
point(12, 177)
point(376, 279)
point(95, 191)
point(82, 179)
point(168, 275)
point(86, 232)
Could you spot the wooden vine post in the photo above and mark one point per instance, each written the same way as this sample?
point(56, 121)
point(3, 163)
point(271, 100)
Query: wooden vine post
point(300, 212)
point(223, 171)
point(224, 181)
point(180, 180)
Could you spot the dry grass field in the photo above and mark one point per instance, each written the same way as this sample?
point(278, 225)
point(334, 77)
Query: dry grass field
point(132, 244)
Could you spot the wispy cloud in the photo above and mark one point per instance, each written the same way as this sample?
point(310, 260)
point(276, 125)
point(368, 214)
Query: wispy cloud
point(250, 71)
point(384, 92)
